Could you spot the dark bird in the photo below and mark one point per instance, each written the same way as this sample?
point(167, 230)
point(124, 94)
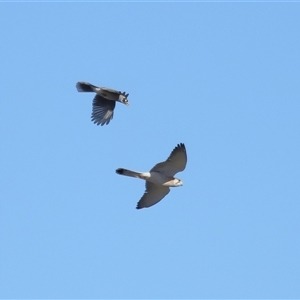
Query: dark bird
point(161, 177)
point(104, 102)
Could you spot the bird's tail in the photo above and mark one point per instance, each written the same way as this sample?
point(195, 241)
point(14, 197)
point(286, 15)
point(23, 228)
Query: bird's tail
point(126, 172)
point(85, 87)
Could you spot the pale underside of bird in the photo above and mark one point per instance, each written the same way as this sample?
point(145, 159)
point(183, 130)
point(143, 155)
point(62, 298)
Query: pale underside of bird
point(104, 102)
point(161, 177)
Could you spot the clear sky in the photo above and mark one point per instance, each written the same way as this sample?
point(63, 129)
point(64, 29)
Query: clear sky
point(223, 78)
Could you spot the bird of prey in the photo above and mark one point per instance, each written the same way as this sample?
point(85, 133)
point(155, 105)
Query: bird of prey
point(161, 177)
point(104, 102)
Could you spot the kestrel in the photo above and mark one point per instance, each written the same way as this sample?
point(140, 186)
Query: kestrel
point(104, 102)
point(161, 177)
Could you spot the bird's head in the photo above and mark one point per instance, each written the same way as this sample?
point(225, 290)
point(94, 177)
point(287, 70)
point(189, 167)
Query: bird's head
point(178, 182)
point(123, 99)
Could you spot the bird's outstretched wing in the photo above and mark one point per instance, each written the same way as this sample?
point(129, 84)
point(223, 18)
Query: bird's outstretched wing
point(103, 110)
point(175, 163)
point(153, 194)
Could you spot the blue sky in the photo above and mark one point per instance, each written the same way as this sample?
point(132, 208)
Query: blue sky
point(223, 78)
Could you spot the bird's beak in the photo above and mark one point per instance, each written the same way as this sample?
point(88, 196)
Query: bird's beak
point(127, 104)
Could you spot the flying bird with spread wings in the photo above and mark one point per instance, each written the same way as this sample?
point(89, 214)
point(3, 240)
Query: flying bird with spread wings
point(161, 177)
point(104, 102)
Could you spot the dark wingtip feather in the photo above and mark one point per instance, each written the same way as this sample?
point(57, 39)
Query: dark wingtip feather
point(138, 206)
point(120, 171)
point(124, 94)
point(180, 146)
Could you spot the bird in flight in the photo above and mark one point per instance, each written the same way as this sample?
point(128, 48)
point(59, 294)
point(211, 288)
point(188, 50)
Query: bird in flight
point(161, 177)
point(104, 102)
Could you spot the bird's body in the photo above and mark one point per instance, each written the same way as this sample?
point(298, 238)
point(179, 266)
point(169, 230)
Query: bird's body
point(161, 177)
point(154, 177)
point(104, 102)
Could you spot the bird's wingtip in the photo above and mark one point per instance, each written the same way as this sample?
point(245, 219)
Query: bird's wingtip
point(181, 145)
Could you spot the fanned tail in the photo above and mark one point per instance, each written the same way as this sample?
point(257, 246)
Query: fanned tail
point(85, 87)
